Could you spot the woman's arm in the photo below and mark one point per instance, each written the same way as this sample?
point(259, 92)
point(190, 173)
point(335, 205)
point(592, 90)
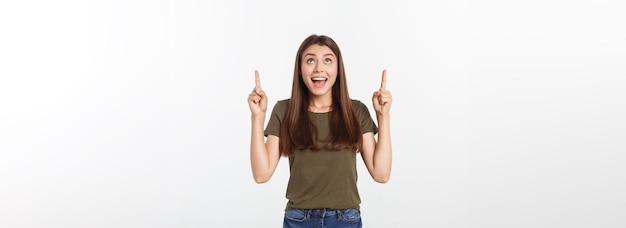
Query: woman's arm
point(264, 154)
point(377, 154)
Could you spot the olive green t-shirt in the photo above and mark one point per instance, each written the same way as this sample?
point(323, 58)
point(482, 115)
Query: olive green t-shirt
point(323, 178)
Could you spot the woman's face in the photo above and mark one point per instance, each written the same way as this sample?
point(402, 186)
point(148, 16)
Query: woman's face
point(319, 69)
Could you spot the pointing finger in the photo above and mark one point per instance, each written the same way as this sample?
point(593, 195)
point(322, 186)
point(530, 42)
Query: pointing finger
point(257, 81)
point(383, 82)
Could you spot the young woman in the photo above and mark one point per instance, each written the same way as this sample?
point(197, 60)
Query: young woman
point(320, 129)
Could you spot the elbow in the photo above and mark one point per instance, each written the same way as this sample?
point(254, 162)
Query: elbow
point(261, 180)
point(381, 179)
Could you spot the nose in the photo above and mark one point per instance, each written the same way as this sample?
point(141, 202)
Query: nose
point(318, 68)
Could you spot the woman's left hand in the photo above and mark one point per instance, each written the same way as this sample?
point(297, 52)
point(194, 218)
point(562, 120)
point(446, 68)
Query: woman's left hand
point(382, 97)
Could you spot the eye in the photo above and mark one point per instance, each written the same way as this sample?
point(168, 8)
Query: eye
point(328, 61)
point(310, 60)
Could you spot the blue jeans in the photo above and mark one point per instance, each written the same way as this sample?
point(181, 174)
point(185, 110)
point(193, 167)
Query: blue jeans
point(322, 218)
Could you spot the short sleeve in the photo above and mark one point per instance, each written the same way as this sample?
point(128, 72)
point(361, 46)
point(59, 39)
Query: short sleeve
point(365, 119)
point(276, 118)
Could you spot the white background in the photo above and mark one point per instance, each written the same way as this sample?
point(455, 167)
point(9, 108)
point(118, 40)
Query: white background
point(134, 113)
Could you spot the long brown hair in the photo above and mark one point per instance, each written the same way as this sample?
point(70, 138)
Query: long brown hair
point(297, 129)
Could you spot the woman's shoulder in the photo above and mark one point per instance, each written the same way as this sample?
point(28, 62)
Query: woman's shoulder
point(360, 109)
point(281, 105)
point(357, 104)
point(283, 102)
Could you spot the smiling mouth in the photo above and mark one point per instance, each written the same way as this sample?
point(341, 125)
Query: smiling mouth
point(319, 82)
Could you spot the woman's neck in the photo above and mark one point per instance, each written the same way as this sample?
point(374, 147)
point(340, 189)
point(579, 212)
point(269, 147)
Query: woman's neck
point(321, 103)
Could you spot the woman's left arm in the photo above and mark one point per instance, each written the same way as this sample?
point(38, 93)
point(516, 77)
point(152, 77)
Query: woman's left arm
point(377, 153)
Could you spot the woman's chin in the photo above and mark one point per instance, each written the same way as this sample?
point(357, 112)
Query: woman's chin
point(318, 92)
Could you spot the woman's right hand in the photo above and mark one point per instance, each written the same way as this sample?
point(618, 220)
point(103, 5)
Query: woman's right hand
point(257, 100)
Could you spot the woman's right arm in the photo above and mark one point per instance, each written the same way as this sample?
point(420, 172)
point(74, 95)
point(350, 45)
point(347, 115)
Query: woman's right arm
point(264, 155)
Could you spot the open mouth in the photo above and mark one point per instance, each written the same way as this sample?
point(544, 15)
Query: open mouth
point(319, 82)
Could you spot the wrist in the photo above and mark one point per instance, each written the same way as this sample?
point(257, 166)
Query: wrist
point(382, 114)
point(258, 116)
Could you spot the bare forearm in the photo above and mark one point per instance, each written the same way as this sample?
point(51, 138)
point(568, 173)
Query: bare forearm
point(259, 157)
point(383, 155)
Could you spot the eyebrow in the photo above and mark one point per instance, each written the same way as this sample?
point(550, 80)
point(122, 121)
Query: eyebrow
point(331, 54)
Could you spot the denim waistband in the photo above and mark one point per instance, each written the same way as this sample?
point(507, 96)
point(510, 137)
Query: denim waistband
point(321, 211)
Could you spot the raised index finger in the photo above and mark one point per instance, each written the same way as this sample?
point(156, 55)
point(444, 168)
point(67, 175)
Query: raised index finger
point(257, 81)
point(383, 82)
